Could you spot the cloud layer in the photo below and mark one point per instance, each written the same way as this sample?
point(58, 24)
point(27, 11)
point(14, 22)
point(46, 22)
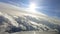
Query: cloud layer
point(14, 20)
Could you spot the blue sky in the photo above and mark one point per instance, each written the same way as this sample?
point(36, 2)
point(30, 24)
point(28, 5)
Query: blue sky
point(48, 7)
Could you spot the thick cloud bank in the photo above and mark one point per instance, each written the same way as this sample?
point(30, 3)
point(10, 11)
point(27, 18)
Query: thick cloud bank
point(14, 20)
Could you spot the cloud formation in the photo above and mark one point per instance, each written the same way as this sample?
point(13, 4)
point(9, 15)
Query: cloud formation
point(14, 20)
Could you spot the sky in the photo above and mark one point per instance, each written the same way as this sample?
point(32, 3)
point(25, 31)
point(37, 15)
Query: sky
point(48, 7)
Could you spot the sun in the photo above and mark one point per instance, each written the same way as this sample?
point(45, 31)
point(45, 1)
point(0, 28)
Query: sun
point(32, 7)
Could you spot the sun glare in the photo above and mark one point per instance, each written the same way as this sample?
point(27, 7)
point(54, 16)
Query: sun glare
point(32, 7)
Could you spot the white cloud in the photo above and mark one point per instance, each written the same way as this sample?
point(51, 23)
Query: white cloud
point(9, 11)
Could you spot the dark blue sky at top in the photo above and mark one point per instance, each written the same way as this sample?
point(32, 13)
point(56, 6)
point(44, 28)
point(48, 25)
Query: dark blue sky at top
point(49, 7)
